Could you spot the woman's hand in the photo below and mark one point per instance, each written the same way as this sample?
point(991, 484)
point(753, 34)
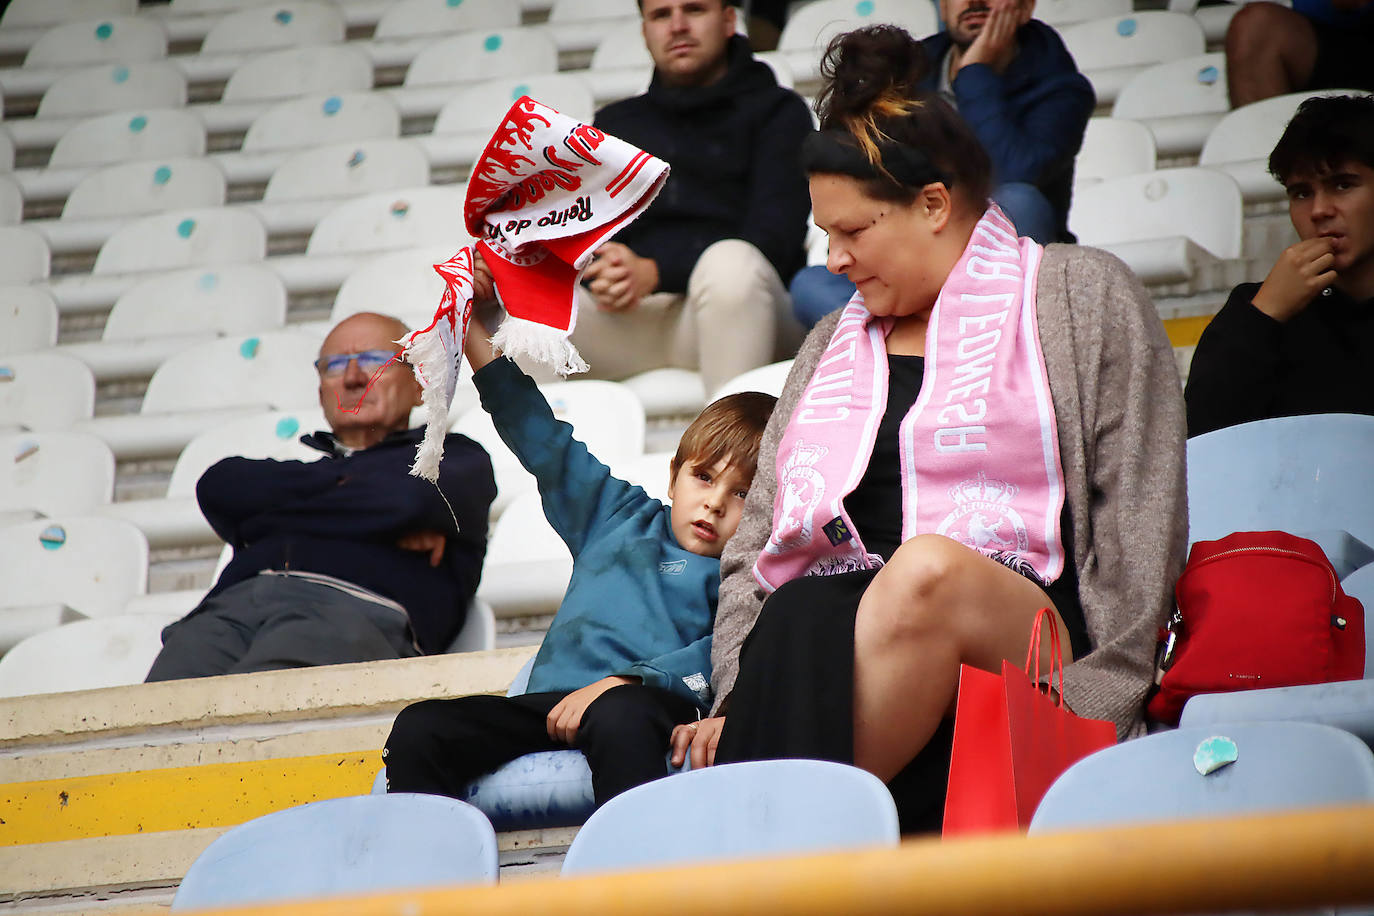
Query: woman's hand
point(700, 738)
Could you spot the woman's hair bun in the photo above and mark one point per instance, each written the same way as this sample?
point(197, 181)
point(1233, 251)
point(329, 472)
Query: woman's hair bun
point(866, 67)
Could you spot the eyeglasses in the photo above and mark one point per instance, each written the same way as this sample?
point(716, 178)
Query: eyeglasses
point(369, 361)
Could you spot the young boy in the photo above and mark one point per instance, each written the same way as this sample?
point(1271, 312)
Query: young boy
point(1302, 341)
point(627, 657)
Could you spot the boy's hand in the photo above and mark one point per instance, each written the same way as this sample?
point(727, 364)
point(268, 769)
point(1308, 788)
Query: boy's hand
point(483, 286)
point(1301, 272)
point(701, 738)
point(565, 719)
point(619, 278)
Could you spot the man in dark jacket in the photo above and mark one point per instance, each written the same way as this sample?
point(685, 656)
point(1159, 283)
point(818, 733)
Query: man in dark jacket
point(698, 280)
point(1302, 342)
point(1017, 86)
point(348, 558)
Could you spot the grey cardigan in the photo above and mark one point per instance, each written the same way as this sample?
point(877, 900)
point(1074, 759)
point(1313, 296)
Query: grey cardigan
point(1119, 410)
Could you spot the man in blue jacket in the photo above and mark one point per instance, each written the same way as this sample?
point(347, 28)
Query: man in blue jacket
point(698, 281)
point(348, 558)
point(1018, 87)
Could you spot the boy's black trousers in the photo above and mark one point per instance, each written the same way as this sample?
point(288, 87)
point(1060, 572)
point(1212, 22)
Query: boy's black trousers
point(439, 746)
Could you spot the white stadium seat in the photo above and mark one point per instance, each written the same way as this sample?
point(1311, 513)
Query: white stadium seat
point(273, 369)
point(160, 316)
point(318, 119)
point(401, 283)
point(104, 40)
point(1179, 100)
point(122, 136)
point(28, 318)
point(185, 238)
point(106, 652)
point(1062, 12)
point(20, 14)
point(810, 28)
point(1165, 224)
point(1112, 49)
point(24, 255)
point(1240, 143)
point(59, 472)
point(281, 24)
point(1113, 147)
point(424, 19)
point(56, 568)
point(145, 186)
point(393, 219)
point(114, 87)
point(348, 170)
point(290, 72)
point(528, 566)
point(42, 391)
point(11, 201)
point(467, 121)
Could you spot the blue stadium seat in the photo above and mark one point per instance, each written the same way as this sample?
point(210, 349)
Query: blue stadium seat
point(1276, 765)
point(1347, 705)
point(1298, 474)
point(353, 845)
point(737, 810)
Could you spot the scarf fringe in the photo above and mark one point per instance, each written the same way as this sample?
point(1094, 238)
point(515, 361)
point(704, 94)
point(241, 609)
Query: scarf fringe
point(519, 337)
point(425, 351)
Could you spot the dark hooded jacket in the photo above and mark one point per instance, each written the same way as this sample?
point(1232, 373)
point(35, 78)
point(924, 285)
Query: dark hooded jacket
point(733, 148)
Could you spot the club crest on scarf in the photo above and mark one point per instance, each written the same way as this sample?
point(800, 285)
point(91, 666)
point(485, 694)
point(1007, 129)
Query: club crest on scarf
point(546, 192)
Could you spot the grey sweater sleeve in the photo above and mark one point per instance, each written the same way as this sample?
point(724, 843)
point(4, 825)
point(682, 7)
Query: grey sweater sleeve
point(741, 597)
point(1119, 408)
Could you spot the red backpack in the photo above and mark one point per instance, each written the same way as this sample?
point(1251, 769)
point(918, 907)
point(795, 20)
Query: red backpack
point(1256, 609)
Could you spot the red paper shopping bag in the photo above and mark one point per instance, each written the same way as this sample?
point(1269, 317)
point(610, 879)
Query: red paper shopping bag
point(1011, 740)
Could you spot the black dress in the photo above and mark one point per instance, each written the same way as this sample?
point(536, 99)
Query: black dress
point(794, 696)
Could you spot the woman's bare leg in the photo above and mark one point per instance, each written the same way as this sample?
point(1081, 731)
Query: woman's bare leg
point(935, 605)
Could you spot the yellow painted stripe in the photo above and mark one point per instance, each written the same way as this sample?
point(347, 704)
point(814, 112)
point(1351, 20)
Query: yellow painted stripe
point(179, 798)
point(1184, 332)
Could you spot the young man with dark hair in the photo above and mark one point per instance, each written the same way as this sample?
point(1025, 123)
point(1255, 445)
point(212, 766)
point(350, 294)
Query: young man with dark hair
point(1302, 342)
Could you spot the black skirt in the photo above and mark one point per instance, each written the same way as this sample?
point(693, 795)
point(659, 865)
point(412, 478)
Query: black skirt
point(794, 696)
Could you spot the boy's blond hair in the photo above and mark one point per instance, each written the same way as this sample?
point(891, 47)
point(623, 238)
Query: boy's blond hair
point(728, 430)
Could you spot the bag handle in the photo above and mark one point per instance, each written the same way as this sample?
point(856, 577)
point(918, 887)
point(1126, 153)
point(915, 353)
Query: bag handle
point(1057, 657)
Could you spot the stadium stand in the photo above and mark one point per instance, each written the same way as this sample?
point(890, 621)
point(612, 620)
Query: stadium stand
point(309, 234)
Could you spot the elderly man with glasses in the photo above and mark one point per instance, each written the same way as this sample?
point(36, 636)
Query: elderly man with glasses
point(348, 558)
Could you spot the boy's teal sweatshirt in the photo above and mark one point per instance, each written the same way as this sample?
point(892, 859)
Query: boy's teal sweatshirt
point(638, 604)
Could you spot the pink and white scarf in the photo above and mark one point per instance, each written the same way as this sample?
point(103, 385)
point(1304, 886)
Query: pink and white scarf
point(546, 192)
point(979, 449)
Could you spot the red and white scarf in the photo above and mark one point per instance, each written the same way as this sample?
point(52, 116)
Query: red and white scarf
point(547, 191)
point(979, 448)
point(545, 194)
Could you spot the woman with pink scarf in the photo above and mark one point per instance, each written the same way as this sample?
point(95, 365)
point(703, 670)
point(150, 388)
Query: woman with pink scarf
point(989, 427)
